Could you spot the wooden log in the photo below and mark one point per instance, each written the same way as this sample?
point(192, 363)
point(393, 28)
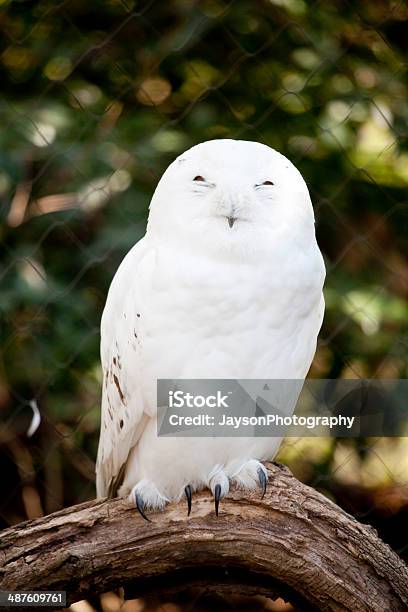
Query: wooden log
point(294, 543)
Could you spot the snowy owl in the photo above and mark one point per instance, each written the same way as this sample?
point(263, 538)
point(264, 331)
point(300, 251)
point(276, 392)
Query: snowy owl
point(226, 283)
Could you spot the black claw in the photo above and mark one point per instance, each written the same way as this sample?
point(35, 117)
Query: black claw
point(217, 497)
point(140, 506)
point(263, 481)
point(188, 491)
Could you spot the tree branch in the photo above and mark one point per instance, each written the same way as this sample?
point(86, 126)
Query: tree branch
point(294, 542)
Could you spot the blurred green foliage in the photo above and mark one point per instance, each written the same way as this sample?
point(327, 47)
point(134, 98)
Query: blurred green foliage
point(98, 98)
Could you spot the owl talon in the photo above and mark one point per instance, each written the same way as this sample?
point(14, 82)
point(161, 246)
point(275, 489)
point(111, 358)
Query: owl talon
point(140, 506)
point(189, 493)
point(217, 497)
point(263, 481)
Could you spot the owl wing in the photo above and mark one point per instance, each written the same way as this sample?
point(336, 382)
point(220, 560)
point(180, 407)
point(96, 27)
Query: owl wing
point(123, 415)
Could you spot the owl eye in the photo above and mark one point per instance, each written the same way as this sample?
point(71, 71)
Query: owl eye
point(265, 183)
point(199, 178)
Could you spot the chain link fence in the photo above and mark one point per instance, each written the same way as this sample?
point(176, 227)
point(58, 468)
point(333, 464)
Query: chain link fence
point(96, 101)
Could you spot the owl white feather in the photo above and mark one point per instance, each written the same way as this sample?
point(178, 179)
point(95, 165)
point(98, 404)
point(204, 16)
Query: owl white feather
point(226, 283)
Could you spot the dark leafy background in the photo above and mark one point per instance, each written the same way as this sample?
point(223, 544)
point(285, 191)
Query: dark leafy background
point(97, 99)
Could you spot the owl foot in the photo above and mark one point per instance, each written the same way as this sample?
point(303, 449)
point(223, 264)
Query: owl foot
point(219, 485)
point(252, 475)
point(146, 495)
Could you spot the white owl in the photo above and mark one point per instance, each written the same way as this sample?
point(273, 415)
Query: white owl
point(226, 283)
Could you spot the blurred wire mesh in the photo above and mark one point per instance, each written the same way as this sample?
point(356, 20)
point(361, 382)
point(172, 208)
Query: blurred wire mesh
point(96, 100)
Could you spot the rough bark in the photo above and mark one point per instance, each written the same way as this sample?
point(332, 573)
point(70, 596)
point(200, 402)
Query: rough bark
point(294, 542)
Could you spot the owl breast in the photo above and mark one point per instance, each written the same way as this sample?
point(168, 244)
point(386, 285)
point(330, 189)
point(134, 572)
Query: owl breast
point(211, 319)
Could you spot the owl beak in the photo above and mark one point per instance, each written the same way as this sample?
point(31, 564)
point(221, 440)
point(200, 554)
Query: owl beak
point(231, 217)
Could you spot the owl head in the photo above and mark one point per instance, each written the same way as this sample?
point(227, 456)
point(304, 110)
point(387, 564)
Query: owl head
point(231, 195)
